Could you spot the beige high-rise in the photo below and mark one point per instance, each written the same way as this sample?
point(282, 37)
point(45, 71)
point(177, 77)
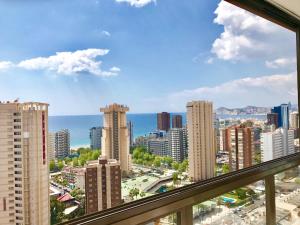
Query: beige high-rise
point(24, 176)
point(115, 136)
point(201, 143)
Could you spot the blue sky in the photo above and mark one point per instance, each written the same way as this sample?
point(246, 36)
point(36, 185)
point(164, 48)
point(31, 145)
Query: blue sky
point(150, 55)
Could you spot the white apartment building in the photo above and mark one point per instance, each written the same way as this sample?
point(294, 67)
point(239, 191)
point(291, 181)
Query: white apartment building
point(177, 143)
point(62, 143)
point(277, 144)
point(159, 146)
point(24, 175)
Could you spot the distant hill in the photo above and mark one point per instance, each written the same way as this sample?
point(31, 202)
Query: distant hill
point(243, 111)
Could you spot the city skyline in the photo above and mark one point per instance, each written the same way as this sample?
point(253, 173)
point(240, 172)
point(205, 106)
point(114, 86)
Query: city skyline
point(112, 61)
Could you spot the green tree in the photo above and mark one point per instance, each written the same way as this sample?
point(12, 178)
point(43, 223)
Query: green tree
point(95, 155)
point(225, 168)
point(157, 162)
point(257, 157)
point(175, 178)
point(67, 160)
point(241, 193)
point(82, 161)
point(56, 210)
point(75, 162)
point(168, 160)
point(60, 165)
point(175, 165)
point(52, 165)
point(142, 194)
point(134, 192)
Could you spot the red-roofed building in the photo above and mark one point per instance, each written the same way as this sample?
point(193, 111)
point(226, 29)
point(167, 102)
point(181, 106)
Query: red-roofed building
point(67, 199)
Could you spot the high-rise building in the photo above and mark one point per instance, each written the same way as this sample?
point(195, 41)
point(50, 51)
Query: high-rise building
point(272, 119)
point(62, 143)
point(95, 137)
point(217, 132)
point(240, 144)
point(159, 146)
point(24, 175)
point(178, 143)
point(224, 139)
point(163, 121)
point(51, 146)
point(102, 185)
point(130, 133)
point(176, 121)
point(294, 120)
point(277, 144)
point(115, 137)
point(201, 142)
point(283, 115)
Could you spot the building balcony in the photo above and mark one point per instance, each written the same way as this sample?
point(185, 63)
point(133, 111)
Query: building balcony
point(180, 201)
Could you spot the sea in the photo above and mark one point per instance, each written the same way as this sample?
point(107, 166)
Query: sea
point(142, 124)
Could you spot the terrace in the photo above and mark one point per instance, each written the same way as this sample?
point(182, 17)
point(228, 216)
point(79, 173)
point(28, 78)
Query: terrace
point(181, 200)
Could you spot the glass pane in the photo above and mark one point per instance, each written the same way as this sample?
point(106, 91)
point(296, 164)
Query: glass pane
point(244, 205)
point(287, 188)
point(125, 99)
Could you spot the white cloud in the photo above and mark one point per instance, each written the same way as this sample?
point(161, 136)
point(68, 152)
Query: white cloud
point(115, 69)
point(137, 3)
point(4, 65)
point(105, 33)
point(281, 63)
point(70, 63)
point(247, 36)
point(260, 91)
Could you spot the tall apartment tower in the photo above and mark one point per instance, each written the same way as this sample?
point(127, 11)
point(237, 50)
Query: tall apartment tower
point(24, 176)
point(178, 143)
point(176, 121)
point(102, 185)
point(272, 119)
point(95, 137)
point(240, 144)
point(294, 120)
point(277, 144)
point(201, 142)
point(115, 137)
point(51, 146)
point(283, 115)
point(163, 121)
point(217, 132)
point(62, 143)
point(130, 133)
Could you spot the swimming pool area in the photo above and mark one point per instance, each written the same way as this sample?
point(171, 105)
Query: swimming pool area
point(228, 200)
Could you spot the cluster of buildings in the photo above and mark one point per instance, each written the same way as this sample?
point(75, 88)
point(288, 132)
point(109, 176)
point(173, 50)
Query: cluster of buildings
point(284, 129)
point(167, 140)
point(245, 141)
point(26, 147)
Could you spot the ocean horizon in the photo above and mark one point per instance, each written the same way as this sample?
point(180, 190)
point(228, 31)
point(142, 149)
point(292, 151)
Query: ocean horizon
point(143, 123)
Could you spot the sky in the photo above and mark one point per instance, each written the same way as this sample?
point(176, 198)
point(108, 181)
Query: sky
point(151, 55)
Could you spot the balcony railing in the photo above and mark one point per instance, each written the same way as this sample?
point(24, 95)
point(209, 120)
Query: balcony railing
point(181, 200)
